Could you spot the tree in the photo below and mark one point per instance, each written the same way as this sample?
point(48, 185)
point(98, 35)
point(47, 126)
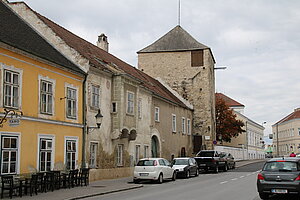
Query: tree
point(227, 126)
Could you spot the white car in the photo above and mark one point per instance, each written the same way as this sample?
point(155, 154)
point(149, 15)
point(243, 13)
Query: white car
point(157, 169)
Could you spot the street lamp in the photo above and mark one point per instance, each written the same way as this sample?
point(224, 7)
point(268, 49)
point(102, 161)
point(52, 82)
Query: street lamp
point(99, 118)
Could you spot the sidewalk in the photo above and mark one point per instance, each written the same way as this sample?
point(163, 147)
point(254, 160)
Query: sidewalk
point(101, 187)
point(94, 189)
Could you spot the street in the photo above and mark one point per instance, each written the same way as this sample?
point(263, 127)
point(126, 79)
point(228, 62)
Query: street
point(238, 184)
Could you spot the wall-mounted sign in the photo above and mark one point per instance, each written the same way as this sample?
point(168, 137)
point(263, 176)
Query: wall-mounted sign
point(207, 137)
point(13, 122)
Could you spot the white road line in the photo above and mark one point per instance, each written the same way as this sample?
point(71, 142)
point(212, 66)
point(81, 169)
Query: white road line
point(248, 174)
point(242, 176)
point(224, 182)
point(234, 179)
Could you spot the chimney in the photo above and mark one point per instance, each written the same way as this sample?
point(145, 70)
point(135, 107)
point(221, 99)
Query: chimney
point(102, 42)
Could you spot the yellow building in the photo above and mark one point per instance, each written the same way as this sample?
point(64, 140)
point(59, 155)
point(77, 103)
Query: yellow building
point(37, 82)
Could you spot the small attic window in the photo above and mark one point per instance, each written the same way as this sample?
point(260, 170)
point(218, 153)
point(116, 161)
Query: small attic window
point(197, 58)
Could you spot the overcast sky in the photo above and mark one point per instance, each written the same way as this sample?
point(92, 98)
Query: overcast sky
point(258, 41)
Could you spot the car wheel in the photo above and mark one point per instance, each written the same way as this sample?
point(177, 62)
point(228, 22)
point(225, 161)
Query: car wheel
point(136, 181)
point(225, 168)
point(233, 166)
point(263, 195)
point(197, 172)
point(160, 179)
point(216, 169)
point(187, 174)
point(174, 176)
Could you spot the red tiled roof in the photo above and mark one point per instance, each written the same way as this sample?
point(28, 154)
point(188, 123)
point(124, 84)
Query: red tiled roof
point(94, 53)
point(229, 101)
point(293, 115)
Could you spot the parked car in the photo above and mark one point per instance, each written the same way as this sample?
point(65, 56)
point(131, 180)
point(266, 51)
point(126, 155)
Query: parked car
point(185, 167)
point(157, 169)
point(279, 176)
point(211, 160)
point(229, 160)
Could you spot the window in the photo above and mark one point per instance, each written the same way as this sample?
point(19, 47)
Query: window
point(93, 154)
point(130, 103)
point(197, 58)
point(71, 103)
point(299, 131)
point(120, 155)
point(71, 154)
point(9, 154)
point(146, 151)
point(45, 154)
point(137, 153)
point(173, 123)
point(11, 87)
point(188, 126)
point(156, 114)
point(114, 107)
point(183, 125)
point(95, 96)
point(46, 97)
point(140, 108)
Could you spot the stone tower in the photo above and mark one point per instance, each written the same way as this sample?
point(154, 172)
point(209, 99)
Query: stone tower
point(188, 67)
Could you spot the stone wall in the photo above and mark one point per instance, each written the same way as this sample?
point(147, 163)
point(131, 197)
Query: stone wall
point(100, 174)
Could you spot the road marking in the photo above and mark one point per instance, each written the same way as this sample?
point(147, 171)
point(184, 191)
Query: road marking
point(242, 176)
point(248, 174)
point(234, 179)
point(224, 182)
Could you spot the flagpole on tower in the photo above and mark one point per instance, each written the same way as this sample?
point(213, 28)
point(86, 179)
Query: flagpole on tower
point(179, 12)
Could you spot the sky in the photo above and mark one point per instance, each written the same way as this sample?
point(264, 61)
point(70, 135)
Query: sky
point(257, 40)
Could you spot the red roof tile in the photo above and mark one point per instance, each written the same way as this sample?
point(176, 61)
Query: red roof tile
point(293, 115)
point(94, 54)
point(229, 101)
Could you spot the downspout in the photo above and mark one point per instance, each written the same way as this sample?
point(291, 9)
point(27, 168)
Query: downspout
point(84, 129)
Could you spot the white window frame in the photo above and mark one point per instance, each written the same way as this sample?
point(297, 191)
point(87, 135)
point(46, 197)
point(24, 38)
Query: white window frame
point(93, 154)
point(188, 124)
point(46, 137)
point(4, 67)
point(156, 114)
point(140, 108)
point(183, 125)
point(146, 151)
point(74, 114)
point(53, 82)
point(174, 123)
point(137, 153)
point(130, 103)
point(18, 149)
point(71, 139)
point(95, 97)
point(120, 148)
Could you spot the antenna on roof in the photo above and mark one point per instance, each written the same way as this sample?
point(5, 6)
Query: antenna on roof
point(179, 12)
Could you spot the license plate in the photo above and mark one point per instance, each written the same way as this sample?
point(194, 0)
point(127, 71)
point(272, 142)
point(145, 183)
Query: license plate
point(144, 174)
point(202, 164)
point(279, 191)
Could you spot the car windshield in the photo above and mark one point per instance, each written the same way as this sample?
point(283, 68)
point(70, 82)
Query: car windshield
point(180, 162)
point(146, 163)
point(206, 154)
point(280, 166)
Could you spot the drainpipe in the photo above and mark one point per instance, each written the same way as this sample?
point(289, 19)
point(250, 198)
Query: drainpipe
point(84, 128)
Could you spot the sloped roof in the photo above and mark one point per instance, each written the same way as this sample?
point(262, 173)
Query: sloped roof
point(229, 101)
point(17, 33)
point(94, 54)
point(176, 39)
point(291, 116)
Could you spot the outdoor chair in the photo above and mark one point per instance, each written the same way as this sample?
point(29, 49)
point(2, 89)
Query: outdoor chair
point(9, 184)
point(56, 179)
point(83, 177)
point(31, 184)
point(49, 181)
point(40, 181)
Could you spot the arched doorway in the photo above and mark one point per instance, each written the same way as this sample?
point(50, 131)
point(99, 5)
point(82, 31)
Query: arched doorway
point(154, 147)
point(182, 153)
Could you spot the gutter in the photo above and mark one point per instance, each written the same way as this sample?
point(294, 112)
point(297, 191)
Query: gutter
point(84, 129)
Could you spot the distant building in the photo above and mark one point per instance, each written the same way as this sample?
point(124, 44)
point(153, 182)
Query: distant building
point(247, 145)
point(286, 134)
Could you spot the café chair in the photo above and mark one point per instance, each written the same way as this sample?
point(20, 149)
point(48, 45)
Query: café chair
point(83, 177)
point(9, 184)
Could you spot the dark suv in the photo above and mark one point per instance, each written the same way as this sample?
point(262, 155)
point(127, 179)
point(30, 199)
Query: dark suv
point(279, 176)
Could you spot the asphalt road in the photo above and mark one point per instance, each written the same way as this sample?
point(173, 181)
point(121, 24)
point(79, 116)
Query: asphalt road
point(238, 184)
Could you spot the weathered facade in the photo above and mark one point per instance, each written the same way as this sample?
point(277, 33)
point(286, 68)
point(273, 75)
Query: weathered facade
point(188, 67)
point(127, 98)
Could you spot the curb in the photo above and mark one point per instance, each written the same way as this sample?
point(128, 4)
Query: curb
point(255, 161)
point(108, 192)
